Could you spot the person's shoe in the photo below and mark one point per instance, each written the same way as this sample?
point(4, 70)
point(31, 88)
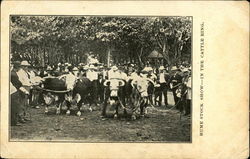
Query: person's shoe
point(18, 124)
point(22, 121)
point(37, 107)
point(26, 119)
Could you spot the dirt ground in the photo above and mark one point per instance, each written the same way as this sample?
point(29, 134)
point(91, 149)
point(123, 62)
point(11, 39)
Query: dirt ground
point(157, 126)
point(161, 124)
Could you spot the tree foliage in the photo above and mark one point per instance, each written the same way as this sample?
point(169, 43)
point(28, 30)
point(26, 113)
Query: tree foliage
point(49, 39)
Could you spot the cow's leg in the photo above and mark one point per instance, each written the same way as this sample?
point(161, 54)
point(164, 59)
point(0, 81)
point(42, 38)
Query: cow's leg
point(46, 109)
point(79, 105)
point(90, 102)
point(124, 104)
point(104, 107)
point(58, 108)
point(68, 107)
point(116, 110)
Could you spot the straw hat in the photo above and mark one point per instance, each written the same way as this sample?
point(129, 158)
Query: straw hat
point(25, 63)
point(49, 68)
point(150, 68)
point(92, 67)
point(185, 70)
point(66, 70)
point(114, 68)
point(161, 68)
point(75, 69)
point(174, 68)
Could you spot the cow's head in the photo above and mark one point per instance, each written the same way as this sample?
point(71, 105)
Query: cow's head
point(114, 86)
point(141, 86)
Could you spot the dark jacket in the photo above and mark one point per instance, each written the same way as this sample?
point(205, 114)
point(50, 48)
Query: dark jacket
point(15, 80)
point(176, 80)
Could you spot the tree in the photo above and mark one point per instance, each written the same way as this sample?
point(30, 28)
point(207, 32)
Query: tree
point(50, 39)
point(171, 35)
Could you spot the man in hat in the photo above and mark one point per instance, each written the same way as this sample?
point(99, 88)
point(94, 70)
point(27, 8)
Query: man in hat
point(163, 80)
point(100, 87)
point(144, 72)
point(35, 80)
point(151, 87)
point(92, 75)
point(113, 73)
point(49, 71)
point(17, 91)
point(135, 74)
point(189, 93)
point(151, 74)
point(123, 76)
point(175, 81)
point(24, 77)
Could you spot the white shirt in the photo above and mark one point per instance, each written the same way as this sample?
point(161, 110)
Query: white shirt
point(104, 74)
point(12, 88)
point(31, 74)
point(23, 77)
point(92, 75)
point(162, 78)
point(189, 89)
point(113, 74)
point(123, 76)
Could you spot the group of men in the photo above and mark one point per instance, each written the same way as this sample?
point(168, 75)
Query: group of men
point(24, 78)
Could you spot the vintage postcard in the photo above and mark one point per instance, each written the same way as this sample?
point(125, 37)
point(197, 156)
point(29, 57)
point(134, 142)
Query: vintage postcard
point(124, 79)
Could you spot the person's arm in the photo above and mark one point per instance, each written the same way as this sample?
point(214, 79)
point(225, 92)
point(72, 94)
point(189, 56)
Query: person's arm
point(15, 80)
point(17, 83)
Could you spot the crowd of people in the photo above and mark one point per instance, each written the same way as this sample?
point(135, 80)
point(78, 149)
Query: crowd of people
point(25, 78)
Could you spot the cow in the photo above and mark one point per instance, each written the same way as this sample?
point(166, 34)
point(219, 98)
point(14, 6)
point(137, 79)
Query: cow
point(114, 92)
point(141, 94)
point(81, 93)
point(54, 90)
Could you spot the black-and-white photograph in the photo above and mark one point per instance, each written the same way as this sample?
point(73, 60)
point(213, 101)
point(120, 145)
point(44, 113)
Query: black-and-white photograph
point(100, 78)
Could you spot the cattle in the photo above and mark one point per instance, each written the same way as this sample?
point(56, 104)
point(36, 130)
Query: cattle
point(81, 93)
point(54, 90)
point(114, 92)
point(141, 94)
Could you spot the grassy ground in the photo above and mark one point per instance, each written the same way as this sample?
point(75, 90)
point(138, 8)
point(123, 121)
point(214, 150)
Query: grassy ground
point(157, 126)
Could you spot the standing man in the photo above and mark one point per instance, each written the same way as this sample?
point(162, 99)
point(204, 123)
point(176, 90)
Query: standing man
point(92, 75)
point(163, 79)
point(17, 91)
point(189, 93)
point(151, 88)
point(24, 78)
point(113, 73)
point(176, 81)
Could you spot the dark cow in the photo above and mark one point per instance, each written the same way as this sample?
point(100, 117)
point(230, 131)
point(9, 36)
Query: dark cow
point(114, 92)
point(54, 91)
point(81, 94)
point(141, 94)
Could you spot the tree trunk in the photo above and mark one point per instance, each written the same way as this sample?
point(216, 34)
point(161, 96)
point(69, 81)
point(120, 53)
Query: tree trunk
point(108, 56)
